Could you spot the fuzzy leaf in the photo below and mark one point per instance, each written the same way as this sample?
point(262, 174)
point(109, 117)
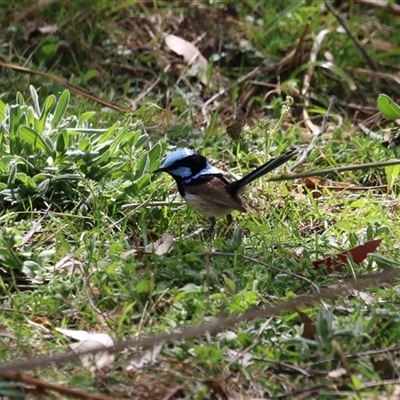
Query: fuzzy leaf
point(60, 108)
point(33, 138)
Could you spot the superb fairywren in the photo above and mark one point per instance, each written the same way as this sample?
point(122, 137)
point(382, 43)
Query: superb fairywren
point(204, 186)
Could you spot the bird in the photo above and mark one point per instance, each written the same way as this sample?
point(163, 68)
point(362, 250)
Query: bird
point(204, 187)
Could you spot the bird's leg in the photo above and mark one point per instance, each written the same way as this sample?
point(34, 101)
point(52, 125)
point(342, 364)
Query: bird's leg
point(213, 221)
point(229, 221)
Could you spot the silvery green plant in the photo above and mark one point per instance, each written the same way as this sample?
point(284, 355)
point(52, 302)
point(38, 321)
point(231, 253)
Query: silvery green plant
point(46, 154)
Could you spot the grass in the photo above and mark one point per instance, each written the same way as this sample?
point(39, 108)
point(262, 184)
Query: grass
point(69, 167)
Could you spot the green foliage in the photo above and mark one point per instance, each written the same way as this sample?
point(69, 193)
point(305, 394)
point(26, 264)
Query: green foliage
point(388, 107)
point(392, 173)
point(10, 390)
point(62, 150)
point(47, 156)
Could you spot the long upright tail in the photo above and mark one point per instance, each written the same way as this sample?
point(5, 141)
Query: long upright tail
point(235, 187)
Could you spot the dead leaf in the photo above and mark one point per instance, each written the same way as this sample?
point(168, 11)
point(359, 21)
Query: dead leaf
point(38, 27)
point(175, 394)
point(48, 29)
point(161, 246)
point(392, 139)
point(216, 388)
point(68, 265)
point(338, 262)
point(385, 368)
point(39, 322)
point(139, 360)
point(390, 7)
point(126, 254)
point(243, 359)
point(337, 373)
point(367, 298)
point(37, 319)
point(190, 53)
point(316, 185)
point(91, 341)
point(227, 335)
point(310, 330)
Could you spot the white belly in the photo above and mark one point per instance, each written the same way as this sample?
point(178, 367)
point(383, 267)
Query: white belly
point(206, 207)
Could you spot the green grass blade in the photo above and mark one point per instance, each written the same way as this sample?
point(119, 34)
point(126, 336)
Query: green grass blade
point(339, 72)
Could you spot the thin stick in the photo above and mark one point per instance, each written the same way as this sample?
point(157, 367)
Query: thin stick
point(316, 135)
point(372, 64)
point(358, 355)
point(354, 188)
point(230, 87)
point(269, 266)
point(208, 282)
point(73, 88)
point(134, 103)
point(332, 170)
point(299, 48)
point(307, 78)
point(304, 393)
point(154, 204)
point(380, 383)
point(75, 393)
point(27, 237)
point(376, 75)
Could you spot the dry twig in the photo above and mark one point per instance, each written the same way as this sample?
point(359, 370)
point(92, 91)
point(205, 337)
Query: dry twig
point(255, 261)
point(38, 383)
point(372, 64)
point(66, 84)
point(323, 172)
point(316, 135)
point(307, 78)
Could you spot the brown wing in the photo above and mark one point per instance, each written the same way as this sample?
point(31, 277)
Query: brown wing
point(215, 191)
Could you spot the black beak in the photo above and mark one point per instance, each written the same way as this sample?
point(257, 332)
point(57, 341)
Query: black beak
point(158, 171)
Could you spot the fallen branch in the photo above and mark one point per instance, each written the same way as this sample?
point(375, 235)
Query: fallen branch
point(211, 328)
